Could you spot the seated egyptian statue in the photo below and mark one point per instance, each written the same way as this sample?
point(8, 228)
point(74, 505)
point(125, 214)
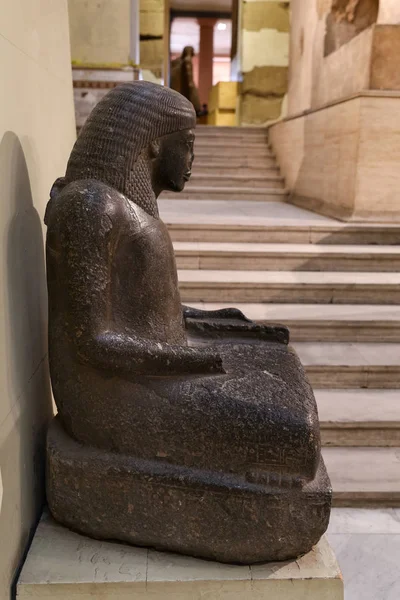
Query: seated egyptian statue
point(182, 79)
point(179, 429)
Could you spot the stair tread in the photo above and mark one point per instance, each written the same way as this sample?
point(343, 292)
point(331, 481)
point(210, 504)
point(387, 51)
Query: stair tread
point(210, 189)
point(311, 312)
point(235, 177)
point(244, 213)
point(348, 354)
point(221, 141)
point(358, 407)
point(245, 129)
point(363, 470)
point(216, 277)
point(285, 249)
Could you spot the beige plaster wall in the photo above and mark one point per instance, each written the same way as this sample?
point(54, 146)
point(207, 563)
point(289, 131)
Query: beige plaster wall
point(389, 12)
point(101, 34)
point(316, 79)
point(307, 31)
point(100, 31)
point(343, 160)
point(368, 61)
point(36, 134)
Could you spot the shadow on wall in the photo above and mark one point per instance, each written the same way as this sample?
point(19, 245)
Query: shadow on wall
point(27, 387)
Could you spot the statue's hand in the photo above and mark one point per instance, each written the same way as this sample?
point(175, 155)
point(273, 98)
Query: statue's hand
point(231, 313)
point(224, 313)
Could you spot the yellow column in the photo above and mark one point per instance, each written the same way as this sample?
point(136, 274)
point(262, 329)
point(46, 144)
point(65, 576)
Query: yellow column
point(263, 59)
point(153, 32)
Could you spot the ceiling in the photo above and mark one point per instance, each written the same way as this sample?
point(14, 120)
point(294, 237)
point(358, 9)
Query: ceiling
point(186, 32)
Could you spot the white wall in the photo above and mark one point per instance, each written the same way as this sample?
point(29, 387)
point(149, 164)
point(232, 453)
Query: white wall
point(36, 134)
point(389, 12)
point(100, 31)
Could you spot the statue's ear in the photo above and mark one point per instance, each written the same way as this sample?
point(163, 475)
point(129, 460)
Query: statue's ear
point(155, 147)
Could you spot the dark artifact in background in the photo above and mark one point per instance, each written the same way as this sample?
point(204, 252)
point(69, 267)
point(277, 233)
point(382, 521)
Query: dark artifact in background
point(182, 78)
point(180, 429)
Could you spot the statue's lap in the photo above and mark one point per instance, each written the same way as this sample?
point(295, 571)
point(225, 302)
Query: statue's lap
point(258, 418)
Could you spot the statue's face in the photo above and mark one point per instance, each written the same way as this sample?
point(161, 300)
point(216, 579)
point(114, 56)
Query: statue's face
point(173, 166)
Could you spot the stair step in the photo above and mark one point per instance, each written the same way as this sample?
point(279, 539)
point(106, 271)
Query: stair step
point(364, 477)
point(232, 163)
point(338, 365)
point(286, 257)
point(266, 222)
point(325, 322)
point(289, 287)
point(226, 151)
point(359, 417)
point(216, 144)
point(237, 181)
point(266, 169)
point(266, 194)
point(247, 133)
point(281, 234)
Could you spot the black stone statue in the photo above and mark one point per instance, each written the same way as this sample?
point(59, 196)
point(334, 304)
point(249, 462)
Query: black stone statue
point(184, 430)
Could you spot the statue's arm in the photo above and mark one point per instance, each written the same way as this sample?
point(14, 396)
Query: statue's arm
point(91, 230)
point(126, 356)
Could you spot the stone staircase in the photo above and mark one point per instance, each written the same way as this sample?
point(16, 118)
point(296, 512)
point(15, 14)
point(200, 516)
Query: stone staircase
point(245, 168)
point(336, 285)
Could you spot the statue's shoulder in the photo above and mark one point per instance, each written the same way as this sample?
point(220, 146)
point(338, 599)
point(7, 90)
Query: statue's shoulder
point(92, 198)
point(93, 195)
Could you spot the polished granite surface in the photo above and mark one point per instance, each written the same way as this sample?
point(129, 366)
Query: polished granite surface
point(367, 546)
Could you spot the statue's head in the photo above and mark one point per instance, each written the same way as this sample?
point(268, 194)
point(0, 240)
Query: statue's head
point(188, 51)
point(172, 158)
point(139, 134)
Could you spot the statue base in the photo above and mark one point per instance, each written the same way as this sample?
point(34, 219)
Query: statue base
point(207, 514)
point(62, 565)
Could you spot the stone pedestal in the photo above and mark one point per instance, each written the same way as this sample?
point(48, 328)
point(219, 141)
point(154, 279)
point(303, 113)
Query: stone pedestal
point(62, 565)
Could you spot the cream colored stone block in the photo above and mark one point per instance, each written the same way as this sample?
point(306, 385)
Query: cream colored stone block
point(266, 81)
point(151, 54)
point(152, 23)
point(265, 15)
point(100, 31)
point(223, 95)
point(152, 5)
point(64, 565)
point(256, 110)
point(264, 47)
